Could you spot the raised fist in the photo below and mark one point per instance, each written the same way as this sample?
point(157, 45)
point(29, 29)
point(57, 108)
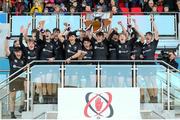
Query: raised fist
point(22, 29)
point(119, 22)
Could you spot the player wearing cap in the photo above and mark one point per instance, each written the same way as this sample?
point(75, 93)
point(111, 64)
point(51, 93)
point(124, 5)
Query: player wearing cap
point(16, 61)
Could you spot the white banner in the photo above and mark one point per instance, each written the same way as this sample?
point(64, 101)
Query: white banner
point(4, 29)
point(98, 104)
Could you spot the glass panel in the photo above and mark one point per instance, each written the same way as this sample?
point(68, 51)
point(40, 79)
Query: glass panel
point(80, 76)
point(116, 76)
point(45, 80)
point(117, 18)
point(4, 69)
point(168, 43)
point(73, 20)
point(169, 23)
point(151, 79)
point(174, 78)
point(4, 64)
point(143, 22)
point(19, 105)
point(3, 18)
point(18, 21)
point(13, 96)
point(175, 89)
point(50, 21)
point(4, 31)
point(3, 76)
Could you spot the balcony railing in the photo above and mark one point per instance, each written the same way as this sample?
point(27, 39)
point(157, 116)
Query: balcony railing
point(47, 77)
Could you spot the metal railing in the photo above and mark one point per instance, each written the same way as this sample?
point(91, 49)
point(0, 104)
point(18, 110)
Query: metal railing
point(98, 64)
point(62, 62)
point(153, 112)
point(2, 72)
point(40, 115)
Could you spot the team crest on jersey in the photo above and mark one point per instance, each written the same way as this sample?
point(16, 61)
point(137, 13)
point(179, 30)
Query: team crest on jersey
point(75, 47)
point(15, 61)
point(68, 51)
point(14, 66)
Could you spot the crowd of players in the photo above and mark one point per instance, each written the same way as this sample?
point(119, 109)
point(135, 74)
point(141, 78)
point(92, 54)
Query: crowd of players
point(130, 44)
point(65, 45)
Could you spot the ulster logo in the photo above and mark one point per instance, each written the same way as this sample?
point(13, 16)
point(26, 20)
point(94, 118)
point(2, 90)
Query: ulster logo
point(98, 105)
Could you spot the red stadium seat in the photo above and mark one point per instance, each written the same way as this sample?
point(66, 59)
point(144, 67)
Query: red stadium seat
point(124, 10)
point(136, 9)
point(160, 8)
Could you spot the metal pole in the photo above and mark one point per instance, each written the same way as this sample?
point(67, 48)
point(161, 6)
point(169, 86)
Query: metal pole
point(1, 109)
point(33, 22)
point(57, 20)
point(62, 75)
point(98, 75)
point(178, 49)
point(168, 88)
point(81, 21)
point(32, 90)
point(176, 26)
point(10, 24)
point(134, 75)
point(28, 87)
point(162, 93)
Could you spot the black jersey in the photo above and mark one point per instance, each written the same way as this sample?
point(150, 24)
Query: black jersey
point(173, 63)
point(29, 55)
point(137, 49)
point(47, 51)
point(88, 55)
point(112, 52)
point(58, 47)
point(70, 49)
point(124, 49)
point(100, 50)
point(149, 50)
point(15, 63)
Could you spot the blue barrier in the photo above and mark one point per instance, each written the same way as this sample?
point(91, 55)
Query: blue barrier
point(3, 18)
point(50, 21)
point(4, 67)
point(18, 21)
point(178, 61)
point(74, 21)
point(4, 64)
point(165, 23)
